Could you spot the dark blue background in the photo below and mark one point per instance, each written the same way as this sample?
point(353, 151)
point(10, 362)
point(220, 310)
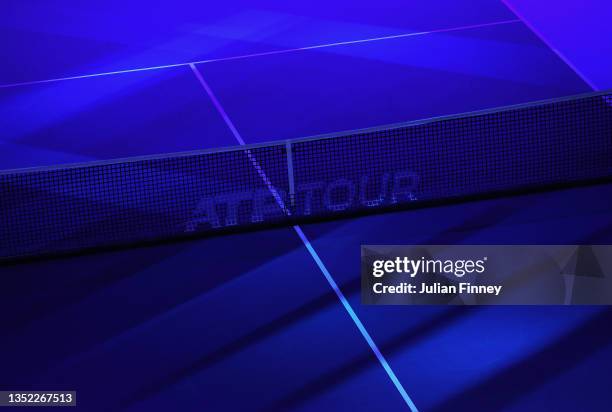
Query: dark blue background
point(248, 322)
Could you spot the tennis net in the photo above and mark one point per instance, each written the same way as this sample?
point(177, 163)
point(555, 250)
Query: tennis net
point(74, 207)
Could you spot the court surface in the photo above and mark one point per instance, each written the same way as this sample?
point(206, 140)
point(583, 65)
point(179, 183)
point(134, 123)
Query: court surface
point(250, 321)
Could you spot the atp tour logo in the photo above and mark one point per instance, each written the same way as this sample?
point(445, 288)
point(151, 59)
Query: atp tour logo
point(309, 199)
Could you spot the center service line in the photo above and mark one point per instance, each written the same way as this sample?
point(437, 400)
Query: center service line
point(381, 358)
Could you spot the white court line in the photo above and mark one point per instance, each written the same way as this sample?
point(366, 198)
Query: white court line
point(549, 45)
point(347, 306)
point(269, 53)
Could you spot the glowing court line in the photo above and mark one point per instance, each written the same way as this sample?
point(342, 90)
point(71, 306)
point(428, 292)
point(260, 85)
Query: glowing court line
point(549, 45)
point(269, 53)
point(381, 358)
point(234, 131)
point(217, 104)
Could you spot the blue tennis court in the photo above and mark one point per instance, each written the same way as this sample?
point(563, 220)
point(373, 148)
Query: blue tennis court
point(250, 321)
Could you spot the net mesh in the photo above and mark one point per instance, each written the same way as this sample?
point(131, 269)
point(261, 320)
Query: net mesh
point(58, 209)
